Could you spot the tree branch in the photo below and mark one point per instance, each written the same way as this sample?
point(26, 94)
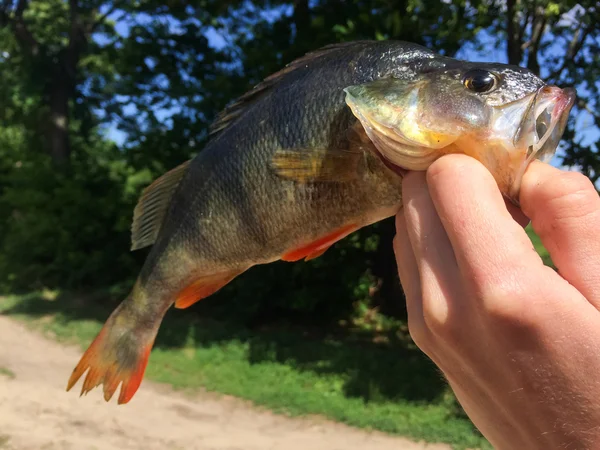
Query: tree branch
point(538, 25)
point(581, 103)
point(75, 32)
point(573, 49)
point(77, 40)
point(94, 25)
point(3, 15)
point(524, 26)
point(301, 17)
point(513, 47)
point(5, 5)
point(21, 5)
point(21, 31)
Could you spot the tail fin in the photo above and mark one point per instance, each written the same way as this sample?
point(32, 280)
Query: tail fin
point(119, 354)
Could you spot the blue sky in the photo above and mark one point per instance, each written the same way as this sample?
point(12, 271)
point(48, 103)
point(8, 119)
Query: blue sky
point(587, 132)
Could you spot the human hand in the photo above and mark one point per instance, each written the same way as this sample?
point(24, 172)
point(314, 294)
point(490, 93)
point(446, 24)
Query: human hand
point(518, 342)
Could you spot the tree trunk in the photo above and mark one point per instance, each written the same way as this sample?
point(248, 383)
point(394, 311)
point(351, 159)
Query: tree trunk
point(58, 131)
point(60, 87)
point(301, 18)
point(513, 41)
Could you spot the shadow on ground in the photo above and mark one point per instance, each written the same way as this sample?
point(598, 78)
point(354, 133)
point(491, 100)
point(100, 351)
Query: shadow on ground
point(376, 368)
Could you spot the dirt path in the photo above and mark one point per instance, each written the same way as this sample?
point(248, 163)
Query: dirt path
point(36, 413)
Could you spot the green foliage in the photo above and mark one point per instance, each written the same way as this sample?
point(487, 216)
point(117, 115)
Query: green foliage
point(377, 384)
point(539, 247)
point(152, 71)
point(158, 73)
point(66, 229)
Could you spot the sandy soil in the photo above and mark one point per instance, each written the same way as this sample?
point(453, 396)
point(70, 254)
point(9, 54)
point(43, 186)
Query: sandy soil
point(36, 413)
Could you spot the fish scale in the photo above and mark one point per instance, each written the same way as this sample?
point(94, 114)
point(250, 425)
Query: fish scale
point(305, 158)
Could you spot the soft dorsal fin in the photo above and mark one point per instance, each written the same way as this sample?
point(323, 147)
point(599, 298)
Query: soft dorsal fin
point(152, 206)
point(236, 109)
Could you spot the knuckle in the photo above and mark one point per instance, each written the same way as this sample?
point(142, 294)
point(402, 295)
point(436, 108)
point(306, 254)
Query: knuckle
point(509, 304)
point(419, 334)
point(504, 308)
point(396, 243)
point(441, 324)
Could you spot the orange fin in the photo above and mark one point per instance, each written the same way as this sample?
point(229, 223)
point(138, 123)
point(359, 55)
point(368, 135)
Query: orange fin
point(118, 355)
point(318, 247)
point(316, 254)
point(202, 288)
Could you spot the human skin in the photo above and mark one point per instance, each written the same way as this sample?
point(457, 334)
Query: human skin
point(518, 342)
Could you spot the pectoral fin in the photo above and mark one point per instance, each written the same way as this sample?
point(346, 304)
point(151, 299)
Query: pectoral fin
point(307, 165)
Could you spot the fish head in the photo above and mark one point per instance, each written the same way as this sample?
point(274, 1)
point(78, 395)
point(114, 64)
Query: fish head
point(504, 116)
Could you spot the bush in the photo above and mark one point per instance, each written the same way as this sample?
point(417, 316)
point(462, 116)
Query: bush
point(70, 229)
point(65, 229)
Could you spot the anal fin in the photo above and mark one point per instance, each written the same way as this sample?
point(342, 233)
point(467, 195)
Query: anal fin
point(319, 246)
point(202, 288)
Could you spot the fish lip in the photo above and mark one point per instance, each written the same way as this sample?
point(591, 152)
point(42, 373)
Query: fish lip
point(552, 101)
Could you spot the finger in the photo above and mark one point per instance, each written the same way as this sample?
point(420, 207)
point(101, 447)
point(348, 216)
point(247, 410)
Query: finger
point(516, 213)
point(433, 251)
point(564, 208)
point(489, 245)
point(408, 273)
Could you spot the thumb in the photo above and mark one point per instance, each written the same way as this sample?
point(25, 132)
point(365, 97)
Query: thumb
point(564, 209)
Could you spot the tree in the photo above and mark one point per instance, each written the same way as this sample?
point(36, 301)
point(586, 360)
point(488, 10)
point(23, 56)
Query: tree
point(560, 42)
point(70, 57)
point(51, 61)
point(159, 72)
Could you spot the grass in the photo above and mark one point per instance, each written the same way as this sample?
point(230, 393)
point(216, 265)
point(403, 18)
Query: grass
point(375, 382)
point(380, 384)
point(7, 373)
point(539, 247)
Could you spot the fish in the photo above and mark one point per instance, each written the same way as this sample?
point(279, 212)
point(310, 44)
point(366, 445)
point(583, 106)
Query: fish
point(308, 156)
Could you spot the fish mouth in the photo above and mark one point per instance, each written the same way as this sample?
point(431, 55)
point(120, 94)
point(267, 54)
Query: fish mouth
point(518, 133)
point(541, 129)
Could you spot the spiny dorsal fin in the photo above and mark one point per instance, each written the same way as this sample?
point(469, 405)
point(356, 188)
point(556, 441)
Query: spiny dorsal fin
point(152, 206)
point(236, 109)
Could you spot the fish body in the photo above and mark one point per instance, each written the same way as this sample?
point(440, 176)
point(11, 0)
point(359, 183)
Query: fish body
point(237, 210)
point(308, 156)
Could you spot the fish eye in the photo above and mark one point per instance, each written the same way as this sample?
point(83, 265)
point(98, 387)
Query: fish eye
point(480, 81)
